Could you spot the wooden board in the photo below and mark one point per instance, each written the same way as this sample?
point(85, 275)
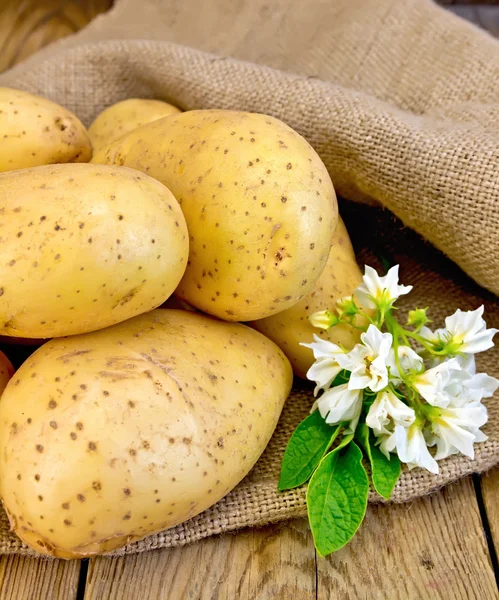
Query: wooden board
point(490, 494)
point(432, 548)
point(32, 579)
point(271, 563)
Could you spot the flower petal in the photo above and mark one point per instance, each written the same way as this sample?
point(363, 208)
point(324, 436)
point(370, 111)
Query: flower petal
point(322, 348)
point(456, 437)
point(323, 372)
point(469, 331)
point(340, 404)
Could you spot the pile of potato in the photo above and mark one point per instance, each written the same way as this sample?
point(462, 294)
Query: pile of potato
point(134, 418)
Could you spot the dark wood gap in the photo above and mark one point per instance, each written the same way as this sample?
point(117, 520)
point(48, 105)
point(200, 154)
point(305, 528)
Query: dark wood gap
point(477, 484)
point(82, 579)
point(316, 576)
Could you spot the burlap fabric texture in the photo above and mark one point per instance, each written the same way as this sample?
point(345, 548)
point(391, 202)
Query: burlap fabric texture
point(400, 99)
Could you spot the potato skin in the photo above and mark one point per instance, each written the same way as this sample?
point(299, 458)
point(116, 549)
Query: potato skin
point(122, 117)
point(84, 247)
point(339, 279)
point(110, 436)
point(258, 201)
point(6, 371)
point(36, 131)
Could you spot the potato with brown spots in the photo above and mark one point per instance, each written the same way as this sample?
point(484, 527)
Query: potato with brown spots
point(339, 279)
point(109, 436)
point(35, 131)
point(6, 371)
point(85, 246)
point(125, 116)
point(259, 204)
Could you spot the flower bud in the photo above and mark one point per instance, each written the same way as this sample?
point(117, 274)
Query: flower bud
point(417, 317)
point(323, 319)
point(346, 307)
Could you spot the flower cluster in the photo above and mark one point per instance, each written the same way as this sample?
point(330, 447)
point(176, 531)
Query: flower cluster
point(415, 388)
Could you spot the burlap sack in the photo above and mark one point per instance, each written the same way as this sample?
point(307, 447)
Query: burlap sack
point(399, 98)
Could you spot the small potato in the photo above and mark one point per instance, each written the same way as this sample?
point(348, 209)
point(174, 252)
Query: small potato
point(6, 371)
point(124, 116)
point(290, 327)
point(84, 247)
point(258, 201)
point(109, 436)
point(35, 131)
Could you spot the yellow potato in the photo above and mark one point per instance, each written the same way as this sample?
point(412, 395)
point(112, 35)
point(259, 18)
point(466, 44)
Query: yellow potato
point(124, 116)
point(35, 131)
point(6, 371)
point(84, 247)
point(109, 436)
point(257, 199)
point(339, 279)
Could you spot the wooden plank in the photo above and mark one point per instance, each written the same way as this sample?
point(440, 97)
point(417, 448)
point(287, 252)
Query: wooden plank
point(24, 578)
point(271, 563)
point(431, 548)
point(490, 494)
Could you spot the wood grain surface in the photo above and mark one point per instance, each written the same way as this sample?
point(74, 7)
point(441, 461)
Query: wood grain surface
point(271, 563)
point(490, 493)
point(33, 579)
point(432, 548)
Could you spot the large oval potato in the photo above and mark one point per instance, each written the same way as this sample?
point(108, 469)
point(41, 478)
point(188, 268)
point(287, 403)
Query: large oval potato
point(258, 201)
point(6, 371)
point(35, 131)
point(109, 436)
point(84, 247)
point(125, 116)
point(291, 327)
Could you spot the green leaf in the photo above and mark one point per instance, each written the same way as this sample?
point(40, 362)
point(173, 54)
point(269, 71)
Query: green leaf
point(385, 472)
point(337, 498)
point(308, 444)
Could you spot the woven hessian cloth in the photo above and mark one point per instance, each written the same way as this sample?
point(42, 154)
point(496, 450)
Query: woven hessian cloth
point(400, 99)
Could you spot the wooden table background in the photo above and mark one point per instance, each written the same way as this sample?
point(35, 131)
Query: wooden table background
point(443, 546)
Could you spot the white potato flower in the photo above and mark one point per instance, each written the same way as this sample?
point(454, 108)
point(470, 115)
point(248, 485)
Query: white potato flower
point(388, 410)
point(465, 387)
point(411, 448)
point(323, 372)
point(367, 361)
point(469, 332)
point(340, 404)
point(376, 291)
point(434, 384)
point(322, 348)
point(457, 428)
point(325, 368)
